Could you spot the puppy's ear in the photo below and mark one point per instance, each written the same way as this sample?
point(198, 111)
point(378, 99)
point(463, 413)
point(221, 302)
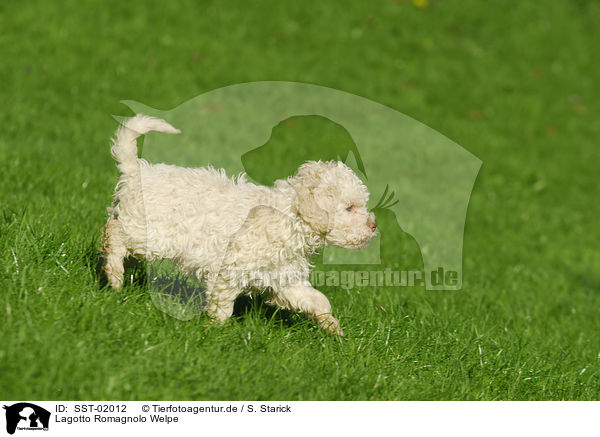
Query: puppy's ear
point(311, 212)
point(306, 184)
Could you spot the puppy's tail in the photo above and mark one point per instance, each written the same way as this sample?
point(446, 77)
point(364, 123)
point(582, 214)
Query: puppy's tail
point(124, 145)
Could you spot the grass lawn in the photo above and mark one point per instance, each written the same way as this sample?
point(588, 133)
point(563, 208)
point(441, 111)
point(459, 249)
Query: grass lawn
point(515, 83)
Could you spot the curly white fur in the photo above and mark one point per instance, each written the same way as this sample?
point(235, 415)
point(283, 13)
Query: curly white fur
point(232, 233)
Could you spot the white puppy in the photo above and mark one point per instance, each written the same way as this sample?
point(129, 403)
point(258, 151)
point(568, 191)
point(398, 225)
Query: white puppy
point(233, 234)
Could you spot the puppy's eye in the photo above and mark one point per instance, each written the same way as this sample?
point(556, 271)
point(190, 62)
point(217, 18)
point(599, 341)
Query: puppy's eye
point(350, 208)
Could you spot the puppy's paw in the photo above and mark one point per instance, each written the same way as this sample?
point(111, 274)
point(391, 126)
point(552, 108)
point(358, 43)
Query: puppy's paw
point(331, 325)
point(219, 314)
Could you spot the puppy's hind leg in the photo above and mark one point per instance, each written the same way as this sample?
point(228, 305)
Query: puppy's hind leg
point(115, 252)
point(221, 298)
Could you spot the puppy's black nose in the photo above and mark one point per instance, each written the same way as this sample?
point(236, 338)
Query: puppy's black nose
point(373, 226)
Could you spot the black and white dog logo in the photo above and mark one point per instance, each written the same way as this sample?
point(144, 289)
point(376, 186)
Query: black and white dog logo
point(26, 416)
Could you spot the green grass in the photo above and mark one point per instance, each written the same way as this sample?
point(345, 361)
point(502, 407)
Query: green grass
point(515, 83)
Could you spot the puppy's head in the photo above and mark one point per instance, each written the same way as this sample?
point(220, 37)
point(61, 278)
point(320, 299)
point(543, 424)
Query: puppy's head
point(333, 201)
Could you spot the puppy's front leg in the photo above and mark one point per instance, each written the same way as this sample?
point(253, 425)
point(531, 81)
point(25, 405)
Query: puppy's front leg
point(304, 298)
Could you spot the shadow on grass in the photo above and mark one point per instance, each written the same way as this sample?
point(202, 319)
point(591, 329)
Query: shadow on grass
point(247, 305)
